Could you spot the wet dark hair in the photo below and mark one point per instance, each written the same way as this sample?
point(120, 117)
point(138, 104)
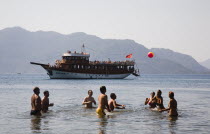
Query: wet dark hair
point(171, 94)
point(35, 89)
point(103, 89)
point(113, 95)
point(45, 92)
point(90, 91)
point(159, 92)
point(152, 93)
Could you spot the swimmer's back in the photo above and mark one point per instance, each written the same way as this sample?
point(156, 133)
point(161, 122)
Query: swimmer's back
point(102, 101)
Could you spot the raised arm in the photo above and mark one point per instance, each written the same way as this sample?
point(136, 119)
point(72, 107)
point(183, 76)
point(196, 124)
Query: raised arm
point(146, 101)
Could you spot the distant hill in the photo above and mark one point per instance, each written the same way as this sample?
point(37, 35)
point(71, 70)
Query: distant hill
point(19, 47)
point(206, 63)
point(185, 60)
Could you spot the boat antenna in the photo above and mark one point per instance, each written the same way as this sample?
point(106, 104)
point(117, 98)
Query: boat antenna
point(83, 49)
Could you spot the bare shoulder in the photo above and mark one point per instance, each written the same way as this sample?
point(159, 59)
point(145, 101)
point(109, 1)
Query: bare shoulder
point(173, 101)
point(37, 97)
point(111, 101)
point(33, 97)
point(105, 96)
point(102, 95)
point(92, 98)
point(44, 99)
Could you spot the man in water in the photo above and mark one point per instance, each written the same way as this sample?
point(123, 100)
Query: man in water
point(113, 104)
point(172, 105)
point(36, 102)
point(89, 100)
point(45, 102)
point(103, 102)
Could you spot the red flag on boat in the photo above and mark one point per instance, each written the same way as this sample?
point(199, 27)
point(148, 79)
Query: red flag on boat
point(129, 56)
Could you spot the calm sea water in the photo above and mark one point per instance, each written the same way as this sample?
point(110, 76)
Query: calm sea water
point(69, 116)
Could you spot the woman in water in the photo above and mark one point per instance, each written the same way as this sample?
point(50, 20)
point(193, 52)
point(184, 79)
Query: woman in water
point(151, 101)
point(159, 100)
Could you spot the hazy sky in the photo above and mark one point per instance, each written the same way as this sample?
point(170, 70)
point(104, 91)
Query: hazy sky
point(180, 25)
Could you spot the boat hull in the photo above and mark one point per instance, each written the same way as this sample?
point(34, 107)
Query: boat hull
point(55, 74)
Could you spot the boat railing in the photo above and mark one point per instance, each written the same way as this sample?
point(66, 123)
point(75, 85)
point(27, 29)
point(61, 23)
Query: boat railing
point(112, 63)
point(129, 63)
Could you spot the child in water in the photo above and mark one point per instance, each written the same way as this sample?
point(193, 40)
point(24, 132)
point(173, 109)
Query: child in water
point(151, 101)
point(113, 104)
point(172, 105)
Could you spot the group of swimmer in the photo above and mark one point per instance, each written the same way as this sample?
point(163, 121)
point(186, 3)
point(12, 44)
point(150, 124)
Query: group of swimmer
point(155, 102)
point(39, 106)
point(103, 102)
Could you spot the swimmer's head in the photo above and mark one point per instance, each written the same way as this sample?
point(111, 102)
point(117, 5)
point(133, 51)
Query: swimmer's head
point(90, 92)
point(103, 89)
point(46, 93)
point(152, 94)
point(113, 96)
point(36, 90)
point(159, 92)
point(171, 94)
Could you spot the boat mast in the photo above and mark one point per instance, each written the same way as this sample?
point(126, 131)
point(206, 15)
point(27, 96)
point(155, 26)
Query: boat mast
point(83, 49)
